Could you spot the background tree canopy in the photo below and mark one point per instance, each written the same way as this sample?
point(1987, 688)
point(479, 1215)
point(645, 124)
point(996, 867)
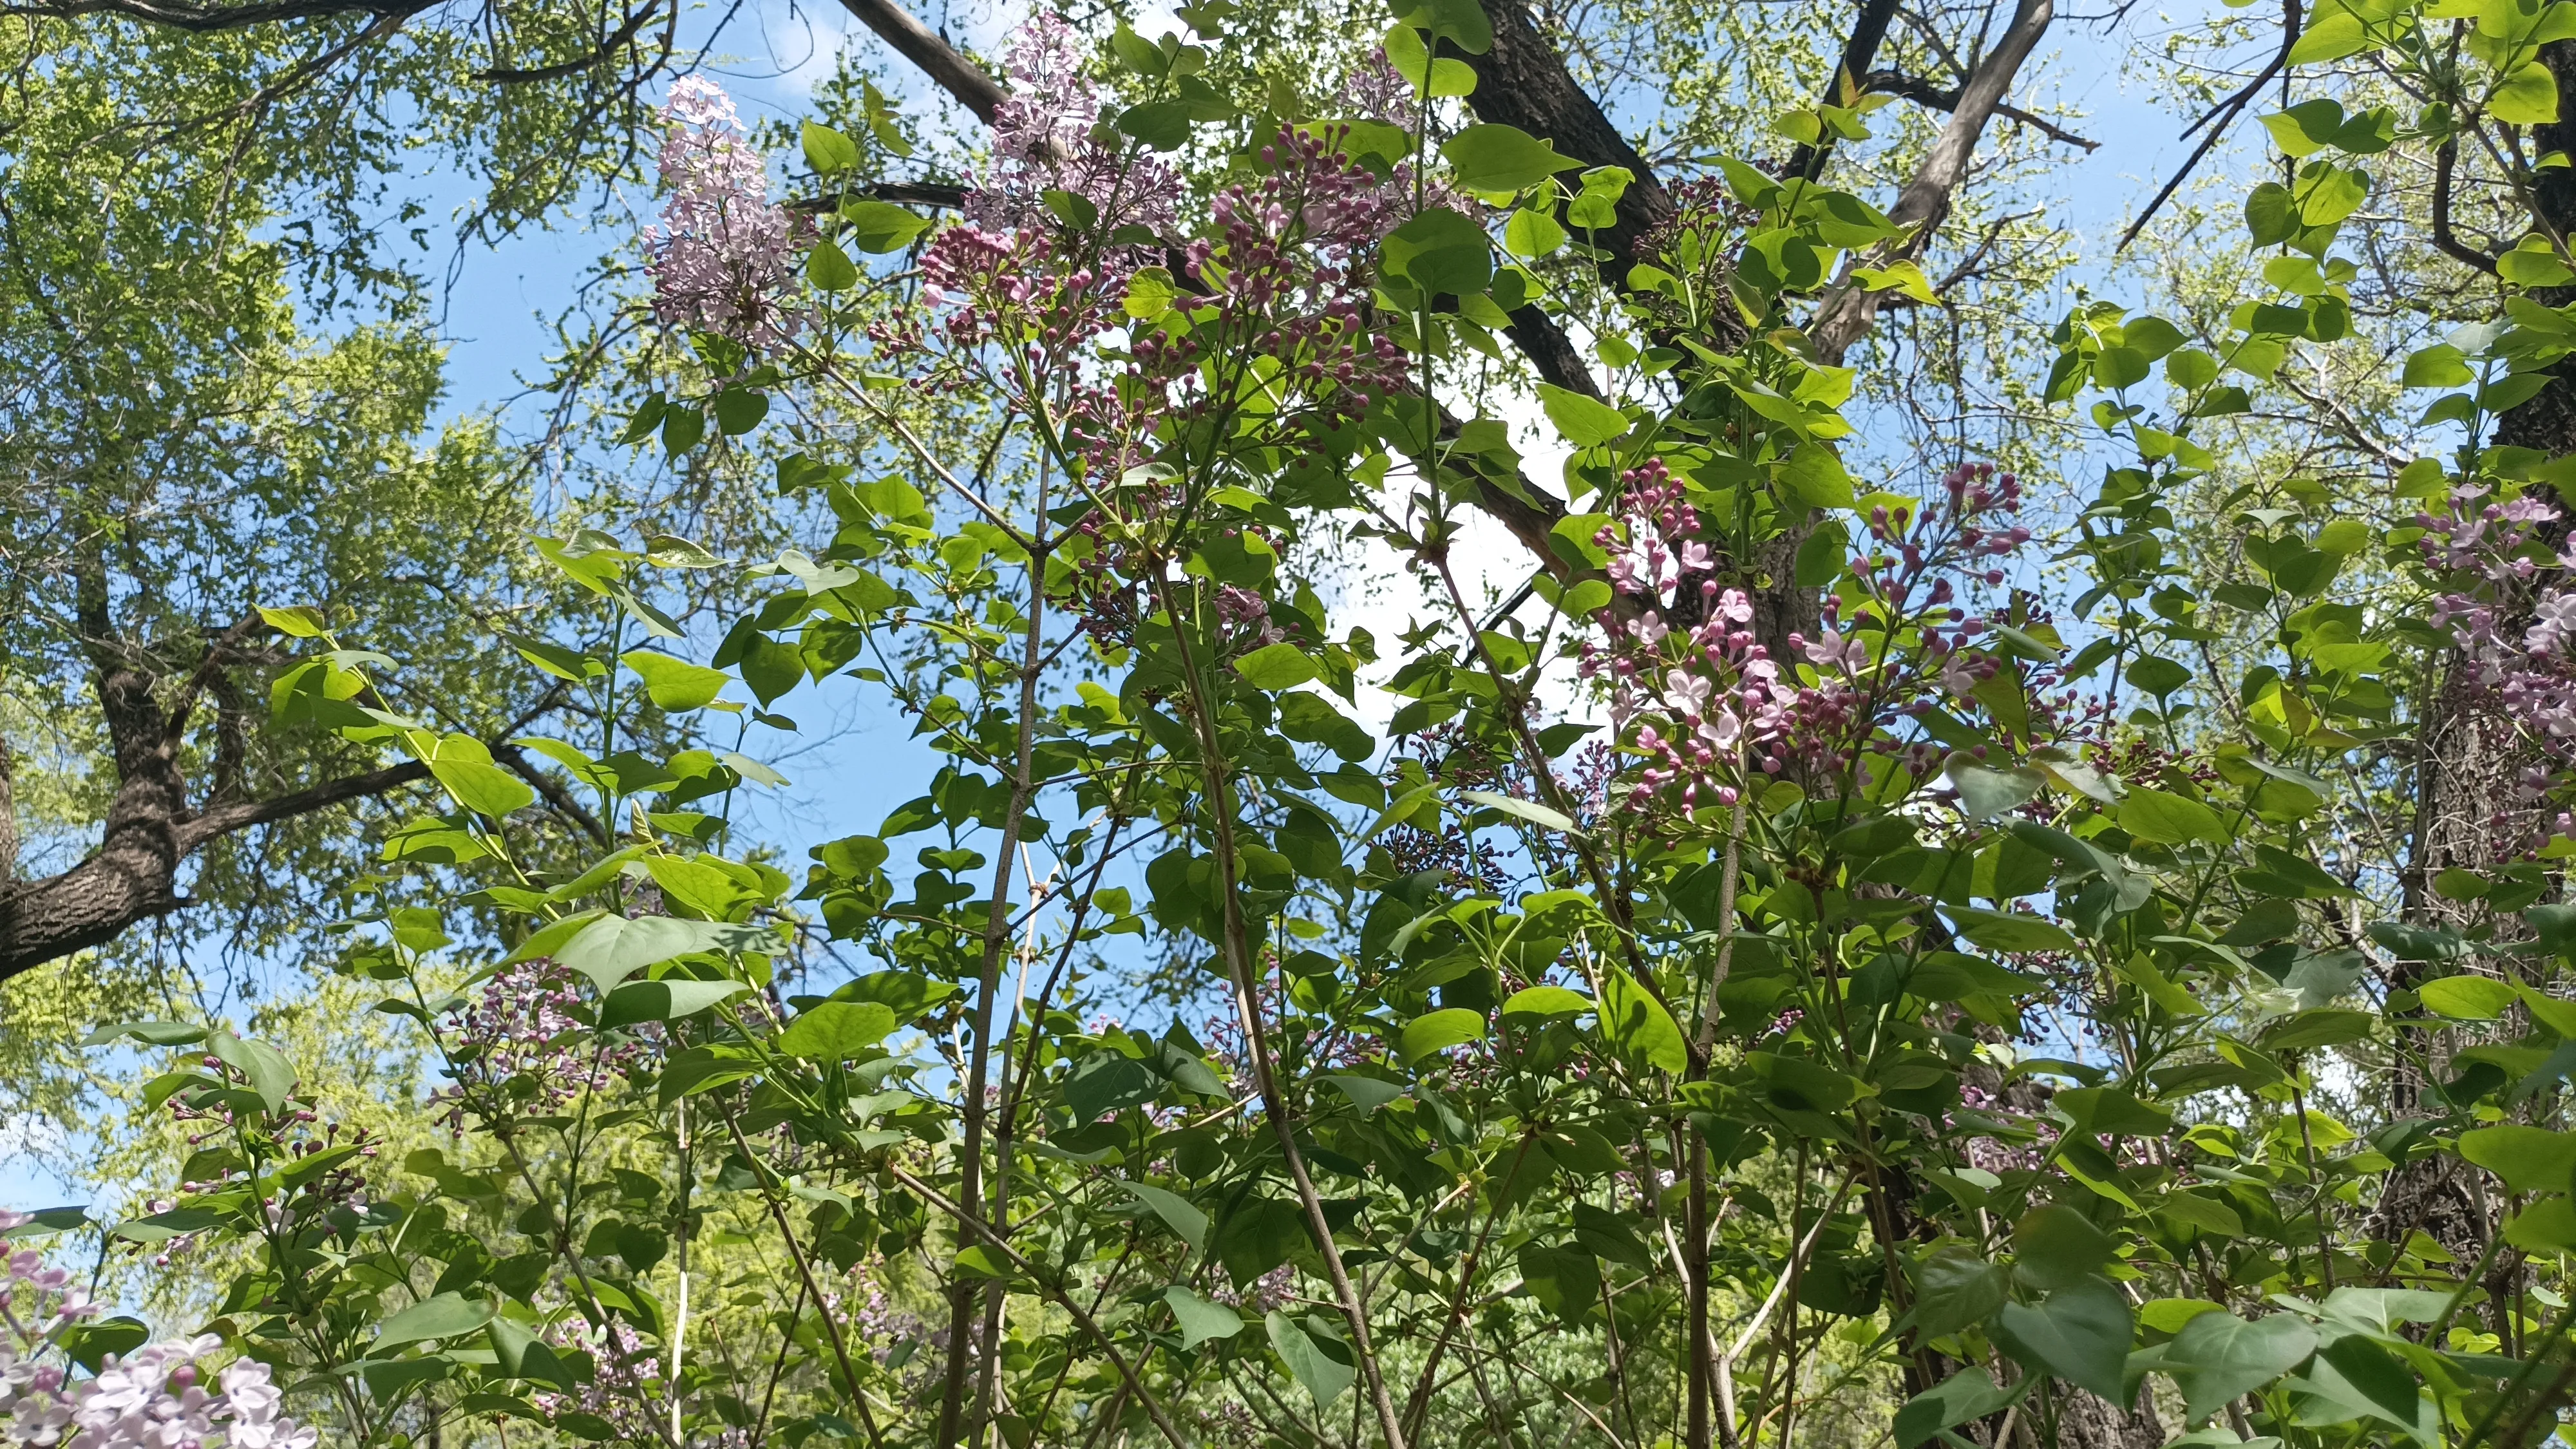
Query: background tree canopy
point(1295, 725)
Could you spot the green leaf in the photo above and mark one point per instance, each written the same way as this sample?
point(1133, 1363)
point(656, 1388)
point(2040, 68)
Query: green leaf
point(1199, 1319)
point(447, 1315)
point(1637, 1024)
point(1402, 809)
point(2440, 365)
point(2336, 34)
point(2080, 1333)
point(266, 1068)
point(739, 410)
point(1177, 1212)
point(161, 1227)
point(878, 227)
point(1815, 476)
point(830, 269)
point(463, 766)
point(1462, 21)
point(1161, 125)
point(2009, 930)
point(1565, 1281)
point(1439, 1031)
point(675, 684)
point(1986, 794)
point(2533, 262)
point(1966, 1395)
point(300, 621)
point(1366, 1093)
point(2528, 97)
point(612, 948)
point(1546, 1001)
point(1151, 293)
point(1274, 667)
point(641, 1001)
point(155, 1033)
point(1956, 1289)
point(1502, 158)
point(1533, 813)
point(89, 1344)
point(2056, 1246)
point(1107, 1082)
point(2354, 1378)
point(1324, 1377)
point(2467, 998)
point(2218, 1356)
point(2529, 1159)
point(1583, 421)
point(827, 150)
point(1440, 251)
point(837, 1030)
point(1532, 234)
point(2169, 819)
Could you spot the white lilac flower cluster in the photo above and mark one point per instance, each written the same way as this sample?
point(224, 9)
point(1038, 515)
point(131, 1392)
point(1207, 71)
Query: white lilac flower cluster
point(157, 1397)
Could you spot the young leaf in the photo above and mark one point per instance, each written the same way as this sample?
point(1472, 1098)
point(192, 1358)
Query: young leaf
point(2219, 1356)
point(1177, 1212)
point(837, 1030)
point(1200, 1320)
point(1317, 1370)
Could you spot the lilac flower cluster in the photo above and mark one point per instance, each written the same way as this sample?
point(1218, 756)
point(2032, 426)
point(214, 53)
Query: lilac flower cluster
point(520, 1026)
point(723, 259)
point(2487, 547)
point(2520, 645)
point(156, 1398)
point(1045, 139)
point(1710, 704)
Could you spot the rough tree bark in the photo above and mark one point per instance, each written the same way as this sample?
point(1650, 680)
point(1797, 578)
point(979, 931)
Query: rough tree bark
point(2470, 757)
point(153, 825)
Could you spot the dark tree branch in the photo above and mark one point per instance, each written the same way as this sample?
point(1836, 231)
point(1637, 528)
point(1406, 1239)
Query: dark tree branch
point(2444, 159)
point(1859, 50)
point(1924, 93)
point(223, 649)
point(229, 819)
point(932, 55)
point(938, 194)
point(1522, 81)
point(1550, 351)
point(618, 40)
point(204, 19)
point(2224, 114)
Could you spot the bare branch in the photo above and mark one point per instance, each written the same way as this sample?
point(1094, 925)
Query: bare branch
point(2451, 246)
point(932, 54)
point(618, 40)
point(1924, 93)
point(2224, 114)
point(205, 19)
point(1849, 310)
point(228, 819)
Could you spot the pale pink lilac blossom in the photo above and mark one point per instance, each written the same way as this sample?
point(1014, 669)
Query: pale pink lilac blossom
point(723, 259)
point(157, 1397)
point(1719, 707)
point(1043, 140)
